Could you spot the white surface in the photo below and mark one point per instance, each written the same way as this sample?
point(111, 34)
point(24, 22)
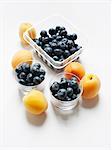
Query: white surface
point(86, 127)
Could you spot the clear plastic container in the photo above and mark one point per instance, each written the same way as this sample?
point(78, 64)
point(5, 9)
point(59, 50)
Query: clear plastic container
point(24, 89)
point(65, 105)
point(47, 23)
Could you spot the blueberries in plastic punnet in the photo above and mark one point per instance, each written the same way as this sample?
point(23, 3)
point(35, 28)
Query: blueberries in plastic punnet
point(30, 75)
point(65, 89)
point(58, 38)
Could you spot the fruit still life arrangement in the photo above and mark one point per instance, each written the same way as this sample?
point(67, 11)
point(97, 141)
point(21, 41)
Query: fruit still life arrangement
point(66, 88)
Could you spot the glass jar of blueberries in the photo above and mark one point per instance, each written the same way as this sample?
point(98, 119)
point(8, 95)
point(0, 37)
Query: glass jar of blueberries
point(30, 75)
point(65, 90)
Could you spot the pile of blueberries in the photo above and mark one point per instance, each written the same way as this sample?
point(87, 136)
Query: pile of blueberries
point(30, 75)
point(57, 43)
point(66, 89)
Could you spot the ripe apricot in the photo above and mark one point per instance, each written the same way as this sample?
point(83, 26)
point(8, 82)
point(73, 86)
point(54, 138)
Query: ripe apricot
point(35, 102)
point(91, 86)
point(23, 27)
point(75, 68)
point(21, 56)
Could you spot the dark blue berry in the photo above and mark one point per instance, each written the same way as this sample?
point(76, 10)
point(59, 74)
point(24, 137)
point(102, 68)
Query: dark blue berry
point(58, 28)
point(54, 87)
point(58, 38)
point(42, 72)
point(48, 50)
point(53, 45)
point(63, 33)
point(37, 80)
point(70, 43)
point(74, 36)
point(42, 77)
point(52, 31)
point(58, 52)
point(22, 75)
point(25, 67)
point(22, 81)
point(62, 45)
point(18, 70)
point(61, 94)
point(56, 58)
point(29, 77)
point(66, 53)
point(45, 40)
point(74, 96)
point(37, 65)
point(43, 33)
point(70, 92)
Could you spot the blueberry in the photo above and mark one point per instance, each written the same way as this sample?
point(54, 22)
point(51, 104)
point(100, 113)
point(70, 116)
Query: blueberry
point(58, 38)
point(29, 77)
point(66, 53)
point(54, 36)
point(63, 83)
point(61, 94)
point(69, 92)
point(52, 31)
point(43, 33)
point(18, 70)
point(73, 50)
point(74, 36)
point(22, 81)
point(73, 84)
point(22, 75)
point(37, 65)
point(45, 40)
point(58, 28)
point(42, 77)
point(48, 50)
point(69, 37)
point(58, 52)
point(53, 45)
point(37, 80)
point(63, 33)
point(42, 72)
point(74, 96)
point(35, 71)
point(77, 91)
point(65, 40)
point(54, 87)
point(54, 41)
point(56, 58)
point(70, 43)
point(25, 67)
point(62, 45)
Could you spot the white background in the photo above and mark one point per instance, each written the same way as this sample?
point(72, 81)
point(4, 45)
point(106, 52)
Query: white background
point(87, 126)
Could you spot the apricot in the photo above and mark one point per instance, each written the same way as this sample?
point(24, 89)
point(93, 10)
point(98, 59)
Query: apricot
point(35, 102)
point(91, 86)
point(21, 56)
point(75, 68)
point(24, 27)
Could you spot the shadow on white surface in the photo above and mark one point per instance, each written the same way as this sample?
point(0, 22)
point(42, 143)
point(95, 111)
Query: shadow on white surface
point(36, 120)
point(66, 114)
point(90, 103)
